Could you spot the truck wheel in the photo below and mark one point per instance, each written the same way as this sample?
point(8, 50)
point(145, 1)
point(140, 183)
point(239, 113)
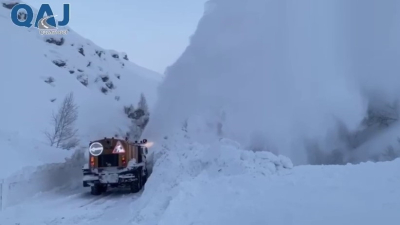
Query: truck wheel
point(103, 188)
point(145, 177)
point(136, 185)
point(96, 189)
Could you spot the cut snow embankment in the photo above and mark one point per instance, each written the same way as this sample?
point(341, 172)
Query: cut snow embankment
point(22, 152)
point(186, 170)
point(31, 167)
point(222, 184)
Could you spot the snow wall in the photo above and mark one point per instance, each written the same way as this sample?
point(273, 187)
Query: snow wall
point(275, 73)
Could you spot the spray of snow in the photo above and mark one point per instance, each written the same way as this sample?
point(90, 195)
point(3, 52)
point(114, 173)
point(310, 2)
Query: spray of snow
point(283, 70)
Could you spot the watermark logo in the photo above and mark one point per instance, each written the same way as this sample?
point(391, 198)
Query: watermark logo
point(96, 149)
point(45, 19)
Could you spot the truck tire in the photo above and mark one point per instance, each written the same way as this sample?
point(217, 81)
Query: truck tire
point(104, 188)
point(145, 178)
point(137, 185)
point(96, 189)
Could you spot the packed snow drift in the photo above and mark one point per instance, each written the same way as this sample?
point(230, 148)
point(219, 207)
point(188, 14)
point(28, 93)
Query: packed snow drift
point(223, 183)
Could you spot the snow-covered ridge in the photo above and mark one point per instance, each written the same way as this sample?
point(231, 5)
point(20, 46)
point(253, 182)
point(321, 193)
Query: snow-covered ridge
point(46, 68)
point(84, 59)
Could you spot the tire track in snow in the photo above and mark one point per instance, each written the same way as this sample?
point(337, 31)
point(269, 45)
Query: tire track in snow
point(105, 197)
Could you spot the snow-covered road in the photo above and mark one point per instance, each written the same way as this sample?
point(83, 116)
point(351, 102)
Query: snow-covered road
point(363, 194)
point(222, 184)
point(71, 207)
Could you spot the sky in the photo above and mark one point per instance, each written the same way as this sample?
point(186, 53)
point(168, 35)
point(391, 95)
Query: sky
point(153, 33)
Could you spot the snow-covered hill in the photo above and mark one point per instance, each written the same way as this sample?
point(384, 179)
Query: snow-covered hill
point(38, 71)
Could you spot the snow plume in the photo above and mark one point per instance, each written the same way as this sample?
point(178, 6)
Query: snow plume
point(283, 70)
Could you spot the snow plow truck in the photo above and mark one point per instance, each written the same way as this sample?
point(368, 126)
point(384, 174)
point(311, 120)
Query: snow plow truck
point(115, 163)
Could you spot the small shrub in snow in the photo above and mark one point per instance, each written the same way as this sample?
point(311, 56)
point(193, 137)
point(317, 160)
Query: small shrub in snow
point(53, 100)
point(118, 76)
point(71, 71)
point(83, 79)
point(80, 50)
point(80, 70)
point(63, 133)
point(104, 78)
point(90, 63)
point(55, 41)
point(125, 57)
point(117, 98)
point(116, 56)
point(49, 80)
point(104, 90)
point(110, 85)
point(99, 53)
point(59, 63)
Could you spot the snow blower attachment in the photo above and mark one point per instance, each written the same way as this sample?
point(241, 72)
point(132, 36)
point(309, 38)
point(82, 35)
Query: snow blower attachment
point(115, 163)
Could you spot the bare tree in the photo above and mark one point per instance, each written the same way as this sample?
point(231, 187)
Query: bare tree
point(64, 134)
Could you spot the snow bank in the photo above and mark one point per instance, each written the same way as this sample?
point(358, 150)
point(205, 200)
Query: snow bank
point(182, 167)
point(30, 167)
point(309, 195)
point(19, 152)
point(31, 181)
point(224, 184)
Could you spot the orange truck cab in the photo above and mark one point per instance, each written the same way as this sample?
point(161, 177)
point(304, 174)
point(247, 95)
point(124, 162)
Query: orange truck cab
point(115, 163)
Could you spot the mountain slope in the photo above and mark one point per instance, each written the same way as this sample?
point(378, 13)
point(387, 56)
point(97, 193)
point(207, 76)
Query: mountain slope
point(37, 72)
point(29, 59)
